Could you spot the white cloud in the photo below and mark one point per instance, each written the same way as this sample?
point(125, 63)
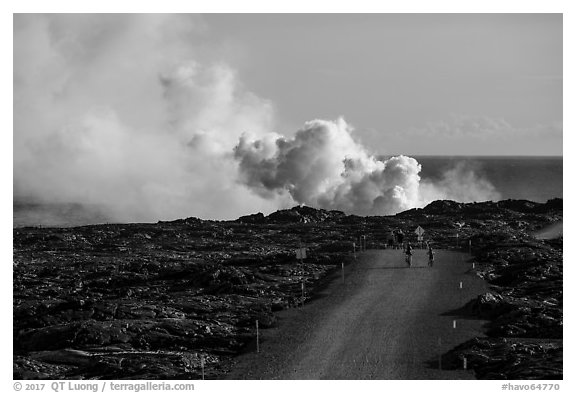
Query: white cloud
point(324, 166)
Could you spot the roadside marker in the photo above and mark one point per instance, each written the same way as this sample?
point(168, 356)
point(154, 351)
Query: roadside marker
point(257, 338)
point(460, 284)
point(465, 363)
point(342, 272)
point(202, 364)
point(454, 324)
point(473, 265)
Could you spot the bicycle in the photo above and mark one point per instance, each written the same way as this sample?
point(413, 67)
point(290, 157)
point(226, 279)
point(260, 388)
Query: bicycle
point(430, 256)
point(409, 260)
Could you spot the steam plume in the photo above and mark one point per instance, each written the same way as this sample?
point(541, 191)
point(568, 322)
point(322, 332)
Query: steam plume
point(322, 165)
point(120, 111)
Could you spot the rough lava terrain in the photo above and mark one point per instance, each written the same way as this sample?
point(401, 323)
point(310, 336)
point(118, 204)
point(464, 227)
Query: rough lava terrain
point(172, 299)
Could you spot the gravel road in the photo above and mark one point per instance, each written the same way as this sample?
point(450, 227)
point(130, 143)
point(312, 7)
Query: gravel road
point(383, 321)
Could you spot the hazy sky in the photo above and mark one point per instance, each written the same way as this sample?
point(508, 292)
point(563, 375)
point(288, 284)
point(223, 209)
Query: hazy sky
point(409, 83)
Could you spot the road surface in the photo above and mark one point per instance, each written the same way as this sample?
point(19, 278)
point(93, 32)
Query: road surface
point(384, 321)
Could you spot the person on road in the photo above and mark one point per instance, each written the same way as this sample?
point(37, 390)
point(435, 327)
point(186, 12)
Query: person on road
point(430, 255)
point(391, 240)
point(409, 254)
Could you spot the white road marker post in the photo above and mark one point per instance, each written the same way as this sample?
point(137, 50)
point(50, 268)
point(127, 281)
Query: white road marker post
point(257, 338)
point(454, 324)
point(354, 249)
point(342, 272)
point(473, 265)
point(202, 365)
point(460, 284)
point(464, 363)
point(470, 246)
point(301, 255)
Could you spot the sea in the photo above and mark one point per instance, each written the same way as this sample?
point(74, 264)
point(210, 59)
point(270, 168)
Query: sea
point(536, 179)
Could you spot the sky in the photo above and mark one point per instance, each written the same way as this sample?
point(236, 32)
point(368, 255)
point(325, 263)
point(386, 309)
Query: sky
point(161, 116)
point(423, 84)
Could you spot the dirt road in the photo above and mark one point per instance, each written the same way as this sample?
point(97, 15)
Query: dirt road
point(384, 321)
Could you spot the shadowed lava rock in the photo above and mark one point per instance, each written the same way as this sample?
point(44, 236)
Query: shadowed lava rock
point(503, 358)
point(525, 310)
point(298, 214)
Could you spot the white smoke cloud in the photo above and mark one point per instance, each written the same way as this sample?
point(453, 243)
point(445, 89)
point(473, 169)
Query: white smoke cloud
point(461, 183)
point(118, 111)
point(323, 166)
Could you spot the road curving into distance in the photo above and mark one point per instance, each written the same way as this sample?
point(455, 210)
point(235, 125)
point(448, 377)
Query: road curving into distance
point(384, 321)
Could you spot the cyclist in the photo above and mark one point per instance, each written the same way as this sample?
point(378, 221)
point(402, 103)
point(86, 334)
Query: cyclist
point(430, 255)
point(409, 254)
